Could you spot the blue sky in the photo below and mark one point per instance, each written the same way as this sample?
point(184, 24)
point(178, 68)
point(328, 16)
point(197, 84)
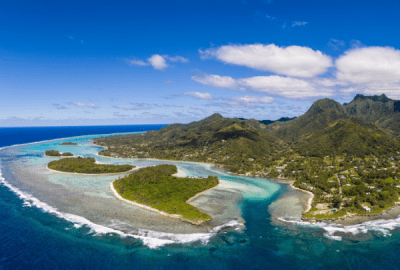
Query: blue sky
point(148, 62)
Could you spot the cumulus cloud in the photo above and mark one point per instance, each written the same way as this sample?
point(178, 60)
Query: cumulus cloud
point(296, 23)
point(284, 86)
point(157, 61)
point(215, 81)
point(294, 61)
point(274, 85)
point(78, 104)
point(369, 65)
point(199, 95)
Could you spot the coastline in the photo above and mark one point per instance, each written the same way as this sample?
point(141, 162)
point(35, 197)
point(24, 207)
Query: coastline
point(348, 219)
point(198, 194)
point(309, 203)
point(119, 197)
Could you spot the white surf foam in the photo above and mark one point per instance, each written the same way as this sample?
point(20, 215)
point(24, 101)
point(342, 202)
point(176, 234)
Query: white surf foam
point(152, 239)
point(381, 225)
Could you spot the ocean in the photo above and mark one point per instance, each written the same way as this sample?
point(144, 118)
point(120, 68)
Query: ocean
point(57, 221)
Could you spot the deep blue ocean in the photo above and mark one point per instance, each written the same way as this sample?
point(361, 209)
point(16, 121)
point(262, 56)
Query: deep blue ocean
point(31, 238)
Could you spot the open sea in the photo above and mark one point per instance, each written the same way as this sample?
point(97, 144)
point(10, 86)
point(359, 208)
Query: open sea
point(50, 220)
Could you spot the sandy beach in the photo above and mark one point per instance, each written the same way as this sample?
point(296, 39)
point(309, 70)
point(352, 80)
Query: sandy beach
point(309, 200)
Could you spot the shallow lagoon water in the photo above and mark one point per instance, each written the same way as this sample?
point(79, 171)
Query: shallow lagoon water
point(53, 220)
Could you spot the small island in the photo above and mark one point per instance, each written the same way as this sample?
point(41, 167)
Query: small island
point(56, 153)
point(156, 187)
point(87, 166)
point(68, 143)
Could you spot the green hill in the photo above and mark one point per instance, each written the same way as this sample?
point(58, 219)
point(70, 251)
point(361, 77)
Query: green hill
point(346, 155)
point(349, 136)
point(320, 115)
point(379, 110)
point(241, 145)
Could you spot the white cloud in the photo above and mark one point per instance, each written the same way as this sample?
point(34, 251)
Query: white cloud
point(294, 61)
point(249, 99)
point(285, 87)
point(158, 62)
point(215, 81)
point(78, 104)
point(296, 23)
point(199, 95)
point(274, 85)
point(369, 65)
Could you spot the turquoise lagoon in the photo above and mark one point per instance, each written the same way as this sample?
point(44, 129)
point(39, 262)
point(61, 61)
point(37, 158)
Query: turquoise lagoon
point(74, 221)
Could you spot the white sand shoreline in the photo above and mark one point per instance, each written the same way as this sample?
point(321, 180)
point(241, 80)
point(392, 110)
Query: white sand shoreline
point(309, 200)
point(116, 194)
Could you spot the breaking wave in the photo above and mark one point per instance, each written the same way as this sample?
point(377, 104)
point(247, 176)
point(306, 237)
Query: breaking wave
point(381, 225)
point(152, 239)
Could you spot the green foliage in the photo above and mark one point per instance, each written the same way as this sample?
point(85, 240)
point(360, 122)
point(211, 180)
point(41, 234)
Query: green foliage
point(86, 165)
point(337, 200)
point(240, 145)
point(157, 188)
point(53, 153)
point(56, 153)
point(347, 136)
point(355, 142)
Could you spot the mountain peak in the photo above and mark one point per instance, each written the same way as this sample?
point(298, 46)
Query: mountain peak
point(382, 98)
point(214, 116)
point(324, 104)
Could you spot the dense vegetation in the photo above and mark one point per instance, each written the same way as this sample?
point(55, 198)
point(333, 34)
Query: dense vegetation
point(347, 155)
point(157, 188)
point(56, 153)
point(86, 165)
point(68, 143)
point(241, 145)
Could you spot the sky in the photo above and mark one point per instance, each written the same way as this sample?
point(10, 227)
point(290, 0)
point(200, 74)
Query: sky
point(72, 63)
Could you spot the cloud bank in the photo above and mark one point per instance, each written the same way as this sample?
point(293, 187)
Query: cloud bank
point(295, 61)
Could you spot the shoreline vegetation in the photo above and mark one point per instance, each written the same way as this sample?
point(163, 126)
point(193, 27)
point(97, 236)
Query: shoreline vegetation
point(86, 166)
point(56, 153)
point(156, 189)
point(68, 143)
point(346, 155)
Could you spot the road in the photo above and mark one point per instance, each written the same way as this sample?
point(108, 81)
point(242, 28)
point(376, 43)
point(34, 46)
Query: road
point(340, 186)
